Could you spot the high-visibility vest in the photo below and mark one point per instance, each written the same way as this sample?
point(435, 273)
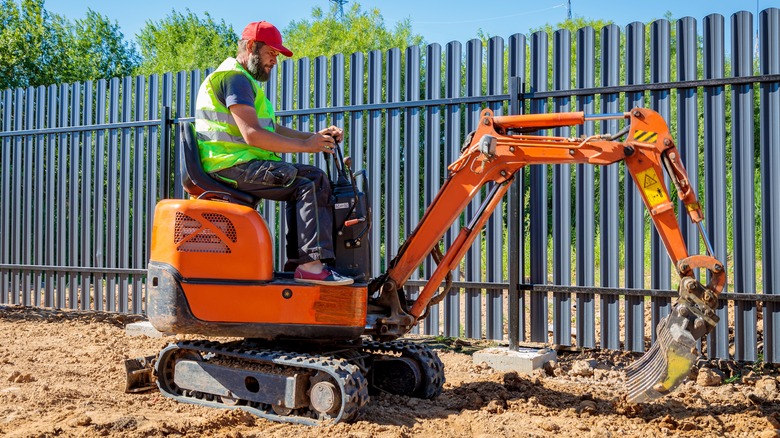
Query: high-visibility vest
point(220, 142)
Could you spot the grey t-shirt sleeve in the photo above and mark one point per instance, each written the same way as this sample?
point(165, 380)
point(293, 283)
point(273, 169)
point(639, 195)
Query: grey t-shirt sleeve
point(236, 89)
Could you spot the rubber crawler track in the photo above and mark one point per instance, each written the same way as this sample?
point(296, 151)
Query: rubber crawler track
point(432, 367)
point(352, 384)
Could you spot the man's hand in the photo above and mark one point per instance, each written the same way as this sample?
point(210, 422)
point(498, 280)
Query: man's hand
point(333, 131)
point(320, 142)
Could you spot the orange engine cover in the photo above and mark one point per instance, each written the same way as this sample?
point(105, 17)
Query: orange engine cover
point(212, 239)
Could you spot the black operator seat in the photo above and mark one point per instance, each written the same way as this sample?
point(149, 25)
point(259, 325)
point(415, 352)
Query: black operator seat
point(196, 181)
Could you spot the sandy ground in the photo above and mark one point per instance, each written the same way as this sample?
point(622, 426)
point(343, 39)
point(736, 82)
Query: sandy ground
point(62, 374)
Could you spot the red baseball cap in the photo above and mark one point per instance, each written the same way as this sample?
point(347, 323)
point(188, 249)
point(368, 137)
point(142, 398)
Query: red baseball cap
point(265, 32)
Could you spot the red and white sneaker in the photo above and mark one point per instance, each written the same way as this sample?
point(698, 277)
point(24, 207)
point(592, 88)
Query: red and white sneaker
point(327, 277)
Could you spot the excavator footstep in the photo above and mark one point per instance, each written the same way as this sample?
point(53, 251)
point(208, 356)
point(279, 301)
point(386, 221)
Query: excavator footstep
point(664, 366)
point(140, 374)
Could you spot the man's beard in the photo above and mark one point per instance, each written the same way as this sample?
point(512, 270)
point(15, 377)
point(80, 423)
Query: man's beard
point(255, 67)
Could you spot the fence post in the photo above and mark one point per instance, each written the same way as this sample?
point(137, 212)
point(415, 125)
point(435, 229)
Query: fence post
point(515, 228)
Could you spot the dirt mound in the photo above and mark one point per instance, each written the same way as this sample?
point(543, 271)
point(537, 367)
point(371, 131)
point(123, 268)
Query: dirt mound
point(61, 374)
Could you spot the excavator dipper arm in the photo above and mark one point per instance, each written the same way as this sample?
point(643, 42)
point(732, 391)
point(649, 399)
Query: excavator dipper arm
point(498, 149)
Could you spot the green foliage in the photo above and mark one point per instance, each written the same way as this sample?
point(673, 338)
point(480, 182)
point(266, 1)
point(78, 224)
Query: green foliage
point(357, 31)
point(32, 49)
point(184, 42)
point(101, 49)
point(39, 48)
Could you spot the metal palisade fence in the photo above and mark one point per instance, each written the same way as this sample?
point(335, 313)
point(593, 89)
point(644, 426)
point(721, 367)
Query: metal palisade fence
point(569, 258)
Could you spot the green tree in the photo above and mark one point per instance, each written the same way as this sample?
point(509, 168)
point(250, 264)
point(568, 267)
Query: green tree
point(100, 48)
point(32, 45)
point(357, 31)
point(40, 48)
point(184, 42)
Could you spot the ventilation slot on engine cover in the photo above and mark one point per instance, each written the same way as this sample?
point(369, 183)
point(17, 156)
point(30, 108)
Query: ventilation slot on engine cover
point(193, 237)
point(223, 223)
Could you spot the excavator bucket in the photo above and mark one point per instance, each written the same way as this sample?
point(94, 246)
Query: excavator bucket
point(140, 374)
point(669, 360)
point(665, 365)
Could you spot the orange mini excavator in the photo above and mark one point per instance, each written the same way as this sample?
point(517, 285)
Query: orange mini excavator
point(309, 353)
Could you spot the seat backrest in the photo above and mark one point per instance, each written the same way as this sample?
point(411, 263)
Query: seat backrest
point(196, 181)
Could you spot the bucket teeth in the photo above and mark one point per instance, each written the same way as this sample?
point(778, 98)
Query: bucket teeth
point(664, 366)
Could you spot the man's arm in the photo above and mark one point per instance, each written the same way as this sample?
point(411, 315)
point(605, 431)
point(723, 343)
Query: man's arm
point(332, 131)
point(285, 141)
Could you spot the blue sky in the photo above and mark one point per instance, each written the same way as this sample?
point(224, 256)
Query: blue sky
point(439, 21)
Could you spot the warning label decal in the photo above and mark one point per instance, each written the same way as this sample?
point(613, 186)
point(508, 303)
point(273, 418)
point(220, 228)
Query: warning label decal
point(645, 136)
point(654, 191)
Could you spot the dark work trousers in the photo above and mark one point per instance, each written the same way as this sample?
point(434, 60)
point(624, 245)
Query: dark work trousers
point(306, 192)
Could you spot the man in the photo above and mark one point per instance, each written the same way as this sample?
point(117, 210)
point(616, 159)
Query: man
point(241, 144)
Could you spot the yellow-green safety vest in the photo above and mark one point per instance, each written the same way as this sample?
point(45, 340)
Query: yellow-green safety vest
point(220, 142)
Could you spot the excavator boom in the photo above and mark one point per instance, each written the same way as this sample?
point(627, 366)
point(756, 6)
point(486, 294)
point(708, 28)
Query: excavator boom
point(497, 150)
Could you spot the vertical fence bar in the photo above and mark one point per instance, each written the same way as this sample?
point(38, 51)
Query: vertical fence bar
point(124, 195)
point(16, 198)
point(609, 206)
point(40, 185)
point(112, 223)
point(742, 138)
point(194, 85)
point(304, 96)
point(769, 34)
point(634, 211)
point(561, 196)
point(73, 199)
point(412, 150)
point(137, 247)
point(337, 89)
point(320, 101)
point(5, 191)
point(433, 156)
point(99, 211)
point(150, 193)
point(473, 259)
point(87, 195)
point(713, 61)
point(452, 127)
point(660, 101)
point(374, 152)
point(165, 142)
point(585, 198)
point(538, 202)
point(304, 93)
point(494, 305)
point(51, 251)
point(357, 144)
point(153, 182)
point(60, 212)
point(337, 94)
point(270, 207)
point(688, 118)
point(392, 168)
point(287, 97)
point(28, 195)
point(515, 213)
point(181, 111)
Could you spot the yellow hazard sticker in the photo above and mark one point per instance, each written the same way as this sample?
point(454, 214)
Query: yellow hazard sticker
point(645, 136)
point(651, 185)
